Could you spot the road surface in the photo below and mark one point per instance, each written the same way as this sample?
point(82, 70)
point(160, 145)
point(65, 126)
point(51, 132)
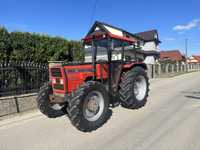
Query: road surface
point(169, 121)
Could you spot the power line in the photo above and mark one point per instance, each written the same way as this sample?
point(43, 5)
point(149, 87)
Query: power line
point(93, 12)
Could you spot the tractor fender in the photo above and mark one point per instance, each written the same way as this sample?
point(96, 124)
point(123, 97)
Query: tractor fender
point(127, 67)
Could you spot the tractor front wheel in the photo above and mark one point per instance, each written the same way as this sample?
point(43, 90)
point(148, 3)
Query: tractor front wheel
point(43, 102)
point(88, 107)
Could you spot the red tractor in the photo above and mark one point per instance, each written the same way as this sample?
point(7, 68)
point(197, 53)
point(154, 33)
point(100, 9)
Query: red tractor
point(86, 91)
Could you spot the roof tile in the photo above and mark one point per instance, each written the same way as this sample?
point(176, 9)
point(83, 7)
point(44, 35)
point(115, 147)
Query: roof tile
point(174, 55)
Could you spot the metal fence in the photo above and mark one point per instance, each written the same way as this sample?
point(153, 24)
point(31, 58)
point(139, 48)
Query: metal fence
point(27, 77)
point(21, 77)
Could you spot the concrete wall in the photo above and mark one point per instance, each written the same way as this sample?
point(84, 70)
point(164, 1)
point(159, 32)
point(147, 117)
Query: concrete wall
point(16, 104)
point(168, 70)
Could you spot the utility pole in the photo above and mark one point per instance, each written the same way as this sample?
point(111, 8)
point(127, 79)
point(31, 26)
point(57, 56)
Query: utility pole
point(186, 53)
point(186, 48)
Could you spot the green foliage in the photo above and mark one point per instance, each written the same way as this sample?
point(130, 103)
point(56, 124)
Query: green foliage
point(4, 43)
point(26, 46)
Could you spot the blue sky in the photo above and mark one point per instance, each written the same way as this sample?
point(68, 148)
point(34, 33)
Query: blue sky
point(175, 20)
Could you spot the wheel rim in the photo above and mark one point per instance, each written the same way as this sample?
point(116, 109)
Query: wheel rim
point(93, 106)
point(140, 87)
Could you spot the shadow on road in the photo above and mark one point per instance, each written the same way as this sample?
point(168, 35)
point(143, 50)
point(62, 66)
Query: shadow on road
point(194, 97)
point(192, 94)
point(55, 114)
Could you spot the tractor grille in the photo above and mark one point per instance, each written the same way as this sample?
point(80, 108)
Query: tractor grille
point(55, 72)
point(58, 86)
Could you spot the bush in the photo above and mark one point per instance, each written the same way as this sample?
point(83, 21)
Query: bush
point(25, 46)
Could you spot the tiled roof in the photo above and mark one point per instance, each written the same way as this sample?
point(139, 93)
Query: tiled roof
point(147, 35)
point(197, 57)
point(102, 24)
point(174, 55)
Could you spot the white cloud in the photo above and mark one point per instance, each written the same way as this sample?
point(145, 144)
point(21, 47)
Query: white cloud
point(194, 23)
point(169, 39)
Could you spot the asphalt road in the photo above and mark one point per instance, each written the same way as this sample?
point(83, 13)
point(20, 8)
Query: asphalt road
point(169, 121)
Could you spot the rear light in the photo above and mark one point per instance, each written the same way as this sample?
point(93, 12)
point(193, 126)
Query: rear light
point(61, 81)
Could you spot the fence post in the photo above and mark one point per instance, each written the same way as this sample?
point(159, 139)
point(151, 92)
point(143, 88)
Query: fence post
point(177, 68)
point(154, 70)
point(186, 65)
point(185, 69)
point(172, 68)
point(167, 68)
point(159, 69)
point(182, 68)
point(17, 104)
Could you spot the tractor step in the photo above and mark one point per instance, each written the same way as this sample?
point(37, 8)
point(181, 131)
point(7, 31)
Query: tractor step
point(115, 104)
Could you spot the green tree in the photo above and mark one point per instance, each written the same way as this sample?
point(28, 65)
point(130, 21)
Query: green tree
point(4, 44)
point(25, 46)
point(22, 46)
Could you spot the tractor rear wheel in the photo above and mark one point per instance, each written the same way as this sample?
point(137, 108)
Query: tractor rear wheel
point(88, 107)
point(134, 88)
point(43, 102)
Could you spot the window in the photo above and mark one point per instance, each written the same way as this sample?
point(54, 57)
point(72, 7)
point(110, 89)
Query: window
point(118, 47)
point(101, 51)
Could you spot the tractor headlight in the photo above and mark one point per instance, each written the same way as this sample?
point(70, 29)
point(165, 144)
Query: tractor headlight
point(61, 81)
point(54, 81)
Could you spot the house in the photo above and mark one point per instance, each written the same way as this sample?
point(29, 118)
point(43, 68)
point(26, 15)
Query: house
point(150, 38)
point(172, 55)
point(146, 41)
point(151, 43)
point(194, 59)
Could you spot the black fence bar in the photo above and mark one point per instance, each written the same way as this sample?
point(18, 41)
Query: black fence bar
point(21, 77)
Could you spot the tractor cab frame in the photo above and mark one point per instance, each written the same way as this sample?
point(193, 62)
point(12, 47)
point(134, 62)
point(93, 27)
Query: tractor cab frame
point(113, 47)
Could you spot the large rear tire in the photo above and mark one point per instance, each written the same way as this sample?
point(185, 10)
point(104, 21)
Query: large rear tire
point(134, 88)
point(43, 102)
point(88, 107)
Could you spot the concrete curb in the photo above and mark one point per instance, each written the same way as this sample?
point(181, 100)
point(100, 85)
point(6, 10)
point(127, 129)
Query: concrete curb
point(16, 104)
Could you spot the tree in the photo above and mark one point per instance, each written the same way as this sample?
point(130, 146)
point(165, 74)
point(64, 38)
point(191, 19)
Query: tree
point(4, 44)
point(25, 46)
